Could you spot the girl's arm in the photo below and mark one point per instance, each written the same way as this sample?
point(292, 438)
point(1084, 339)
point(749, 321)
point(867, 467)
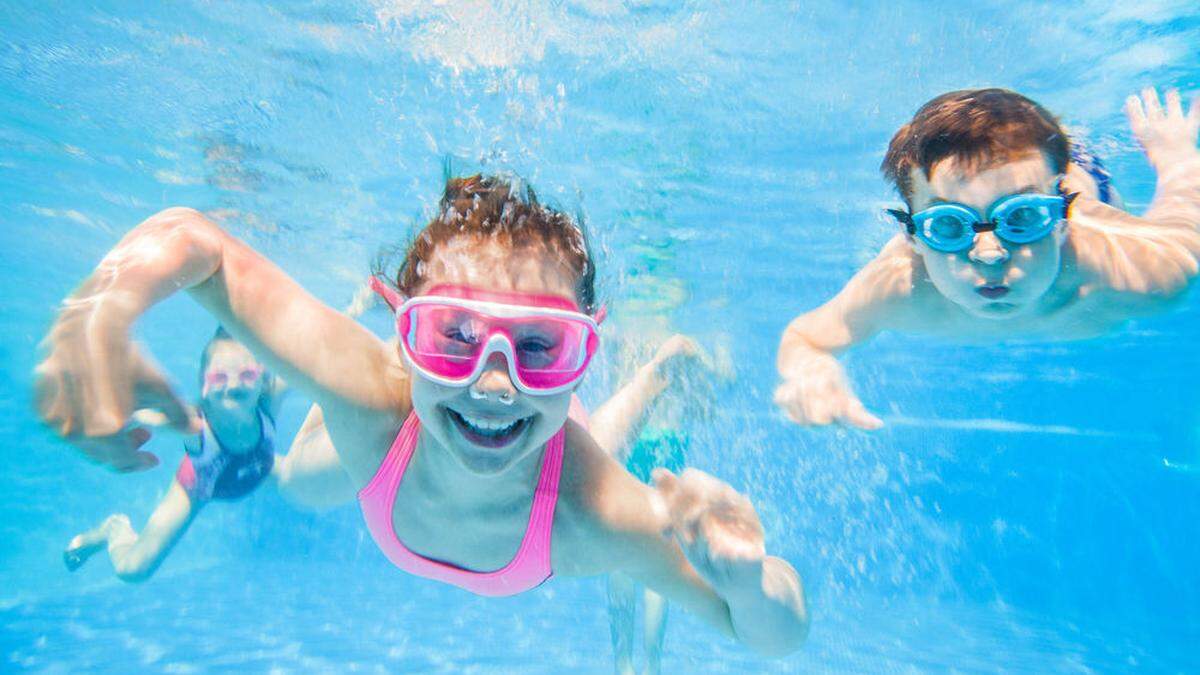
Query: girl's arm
point(311, 473)
point(618, 421)
point(94, 376)
point(692, 538)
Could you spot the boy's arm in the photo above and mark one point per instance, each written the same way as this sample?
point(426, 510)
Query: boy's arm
point(814, 388)
point(1169, 138)
point(1146, 260)
point(617, 422)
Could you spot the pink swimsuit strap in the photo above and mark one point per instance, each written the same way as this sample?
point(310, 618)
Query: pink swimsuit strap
point(528, 568)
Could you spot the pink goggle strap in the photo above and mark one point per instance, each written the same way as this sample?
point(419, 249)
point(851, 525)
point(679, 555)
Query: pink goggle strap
point(389, 294)
point(394, 299)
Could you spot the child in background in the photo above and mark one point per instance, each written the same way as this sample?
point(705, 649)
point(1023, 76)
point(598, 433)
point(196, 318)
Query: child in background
point(232, 455)
point(1003, 237)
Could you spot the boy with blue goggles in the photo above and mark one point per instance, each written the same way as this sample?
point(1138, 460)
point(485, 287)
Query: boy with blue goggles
point(1020, 219)
point(991, 182)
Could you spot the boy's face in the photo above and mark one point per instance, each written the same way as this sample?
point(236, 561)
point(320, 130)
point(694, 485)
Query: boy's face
point(994, 278)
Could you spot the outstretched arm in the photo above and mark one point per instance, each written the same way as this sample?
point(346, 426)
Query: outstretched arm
point(94, 376)
point(814, 388)
point(618, 421)
point(696, 541)
point(1145, 260)
point(1169, 136)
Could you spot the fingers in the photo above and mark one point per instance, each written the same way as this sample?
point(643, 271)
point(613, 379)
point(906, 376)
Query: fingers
point(50, 401)
point(158, 395)
point(688, 346)
point(822, 409)
point(120, 452)
point(109, 367)
point(153, 391)
point(665, 482)
point(677, 345)
point(1150, 100)
point(147, 417)
point(1174, 107)
point(1136, 114)
point(682, 499)
point(856, 415)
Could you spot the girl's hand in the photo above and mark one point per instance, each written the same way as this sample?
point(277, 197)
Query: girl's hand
point(717, 528)
point(89, 386)
point(672, 359)
point(817, 393)
point(1167, 134)
point(676, 346)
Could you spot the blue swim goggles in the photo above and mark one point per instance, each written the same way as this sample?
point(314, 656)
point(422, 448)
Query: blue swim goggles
point(1018, 219)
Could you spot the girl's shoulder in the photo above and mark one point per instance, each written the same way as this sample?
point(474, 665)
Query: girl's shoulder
point(600, 506)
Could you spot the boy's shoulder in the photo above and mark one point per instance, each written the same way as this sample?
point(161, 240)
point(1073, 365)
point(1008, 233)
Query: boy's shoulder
point(901, 292)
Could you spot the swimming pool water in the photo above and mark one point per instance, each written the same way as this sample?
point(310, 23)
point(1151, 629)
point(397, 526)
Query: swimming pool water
point(1029, 506)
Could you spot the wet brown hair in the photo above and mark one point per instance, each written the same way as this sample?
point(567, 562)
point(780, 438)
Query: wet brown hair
point(490, 207)
point(980, 127)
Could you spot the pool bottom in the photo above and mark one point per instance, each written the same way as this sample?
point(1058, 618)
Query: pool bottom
point(302, 617)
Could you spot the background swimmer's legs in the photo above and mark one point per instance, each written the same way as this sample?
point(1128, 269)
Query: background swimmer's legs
point(135, 557)
point(622, 603)
point(654, 630)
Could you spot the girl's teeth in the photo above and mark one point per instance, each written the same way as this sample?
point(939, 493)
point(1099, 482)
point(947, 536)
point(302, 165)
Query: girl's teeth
point(488, 426)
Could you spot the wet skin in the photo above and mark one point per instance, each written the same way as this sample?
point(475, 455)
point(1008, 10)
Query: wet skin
point(994, 278)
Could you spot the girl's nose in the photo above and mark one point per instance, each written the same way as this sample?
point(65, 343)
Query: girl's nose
point(494, 382)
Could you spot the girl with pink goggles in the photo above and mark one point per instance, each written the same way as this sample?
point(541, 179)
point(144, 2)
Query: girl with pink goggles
point(449, 335)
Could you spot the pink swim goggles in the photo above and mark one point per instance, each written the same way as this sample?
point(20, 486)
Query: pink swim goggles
point(449, 335)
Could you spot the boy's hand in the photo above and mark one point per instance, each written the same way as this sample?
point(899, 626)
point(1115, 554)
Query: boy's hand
point(1167, 134)
point(89, 386)
point(817, 393)
point(717, 528)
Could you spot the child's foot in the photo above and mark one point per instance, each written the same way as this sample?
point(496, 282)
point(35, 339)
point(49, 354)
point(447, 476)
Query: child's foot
point(83, 546)
point(79, 550)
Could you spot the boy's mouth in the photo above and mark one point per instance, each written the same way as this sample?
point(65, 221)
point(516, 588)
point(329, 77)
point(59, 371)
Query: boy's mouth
point(488, 433)
point(992, 292)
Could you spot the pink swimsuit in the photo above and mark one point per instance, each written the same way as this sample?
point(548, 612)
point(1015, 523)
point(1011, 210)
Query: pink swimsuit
point(528, 568)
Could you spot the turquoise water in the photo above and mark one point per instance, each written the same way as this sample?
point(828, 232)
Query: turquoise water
point(1029, 506)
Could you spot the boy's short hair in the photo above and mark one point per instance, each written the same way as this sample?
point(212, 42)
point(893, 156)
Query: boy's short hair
point(981, 127)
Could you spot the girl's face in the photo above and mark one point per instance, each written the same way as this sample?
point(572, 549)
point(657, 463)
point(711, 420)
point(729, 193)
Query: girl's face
point(234, 380)
point(490, 425)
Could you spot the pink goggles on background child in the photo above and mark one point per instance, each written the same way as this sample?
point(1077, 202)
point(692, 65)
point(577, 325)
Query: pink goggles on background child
point(247, 377)
point(449, 336)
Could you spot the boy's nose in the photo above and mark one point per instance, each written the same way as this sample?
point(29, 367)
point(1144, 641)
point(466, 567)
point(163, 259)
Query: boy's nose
point(988, 249)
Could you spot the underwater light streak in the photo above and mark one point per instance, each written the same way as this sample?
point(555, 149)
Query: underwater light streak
point(1010, 427)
